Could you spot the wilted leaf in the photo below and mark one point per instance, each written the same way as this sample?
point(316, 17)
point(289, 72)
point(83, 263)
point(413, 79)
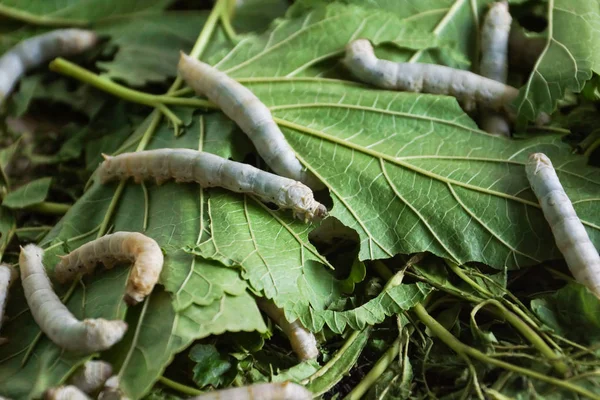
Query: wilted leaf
point(29, 194)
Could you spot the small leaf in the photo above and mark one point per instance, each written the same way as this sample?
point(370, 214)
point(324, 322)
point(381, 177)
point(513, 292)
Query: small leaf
point(29, 194)
point(210, 366)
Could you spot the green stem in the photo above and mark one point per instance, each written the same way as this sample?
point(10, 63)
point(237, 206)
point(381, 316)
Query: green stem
point(530, 335)
point(48, 207)
point(181, 388)
point(592, 148)
point(111, 209)
point(229, 30)
point(40, 20)
point(373, 375)
point(461, 274)
point(462, 349)
point(65, 67)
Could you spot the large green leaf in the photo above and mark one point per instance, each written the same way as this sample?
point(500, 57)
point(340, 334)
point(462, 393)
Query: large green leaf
point(572, 52)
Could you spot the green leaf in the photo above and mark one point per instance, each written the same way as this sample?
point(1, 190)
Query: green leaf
point(573, 312)
point(149, 45)
point(29, 194)
point(572, 52)
point(75, 12)
point(210, 366)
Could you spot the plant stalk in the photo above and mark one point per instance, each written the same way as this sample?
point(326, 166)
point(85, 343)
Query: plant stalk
point(51, 208)
point(181, 388)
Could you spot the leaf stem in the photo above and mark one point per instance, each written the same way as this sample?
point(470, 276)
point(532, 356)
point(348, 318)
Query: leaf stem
point(48, 207)
point(373, 375)
point(229, 30)
point(181, 388)
point(461, 274)
point(40, 20)
point(462, 349)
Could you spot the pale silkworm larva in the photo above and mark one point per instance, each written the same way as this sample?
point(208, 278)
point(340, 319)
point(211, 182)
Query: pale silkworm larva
point(111, 390)
point(469, 89)
point(54, 319)
point(143, 251)
point(302, 340)
point(65, 393)
point(569, 233)
point(8, 275)
point(91, 376)
point(494, 60)
point(260, 391)
point(36, 50)
point(209, 170)
point(253, 117)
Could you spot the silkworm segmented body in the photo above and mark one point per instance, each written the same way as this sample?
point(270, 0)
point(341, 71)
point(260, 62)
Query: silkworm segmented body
point(7, 277)
point(569, 233)
point(253, 117)
point(470, 89)
point(54, 319)
point(65, 393)
point(260, 391)
point(494, 60)
point(39, 49)
point(112, 390)
point(302, 340)
point(209, 170)
point(143, 251)
point(91, 377)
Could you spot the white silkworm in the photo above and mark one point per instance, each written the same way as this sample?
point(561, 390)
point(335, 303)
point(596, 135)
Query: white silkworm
point(111, 390)
point(569, 233)
point(143, 251)
point(253, 117)
point(494, 60)
point(302, 340)
point(54, 319)
point(209, 170)
point(39, 49)
point(65, 393)
point(91, 376)
point(470, 89)
point(8, 275)
point(260, 391)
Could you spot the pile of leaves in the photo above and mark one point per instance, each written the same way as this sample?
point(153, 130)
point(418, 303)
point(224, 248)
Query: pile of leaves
point(436, 274)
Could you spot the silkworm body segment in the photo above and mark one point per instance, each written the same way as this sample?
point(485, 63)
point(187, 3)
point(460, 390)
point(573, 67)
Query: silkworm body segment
point(260, 391)
point(470, 89)
point(54, 319)
point(209, 170)
point(65, 393)
point(569, 233)
point(7, 277)
point(39, 49)
point(494, 59)
point(143, 251)
point(303, 342)
point(253, 117)
point(91, 376)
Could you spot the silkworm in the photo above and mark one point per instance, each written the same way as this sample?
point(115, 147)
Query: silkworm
point(8, 275)
point(494, 60)
point(209, 170)
point(260, 391)
point(569, 233)
point(54, 319)
point(112, 390)
point(92, 376)
point(470, 89)
point(34, 51)
point(65, 393)
point(143, 251)
point(303, 342)
point(253, 117)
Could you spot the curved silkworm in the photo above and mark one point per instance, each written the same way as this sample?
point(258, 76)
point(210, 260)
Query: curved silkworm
point(302, 340)
point(209, 170)
point(54, 319)
point(143, 251)
point(39, 49)
point(92, 376)
point(469, 89)
point(494, 60)
point(252, 116)
point(65, 393)
point(8, 275)
point(569, 233)
point(260, 391)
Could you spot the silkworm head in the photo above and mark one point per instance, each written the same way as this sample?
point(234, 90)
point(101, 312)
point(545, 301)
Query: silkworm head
point(538, 161)
point(358, 51)
point(102, 334)
point(85, 39)
point(499, 16)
